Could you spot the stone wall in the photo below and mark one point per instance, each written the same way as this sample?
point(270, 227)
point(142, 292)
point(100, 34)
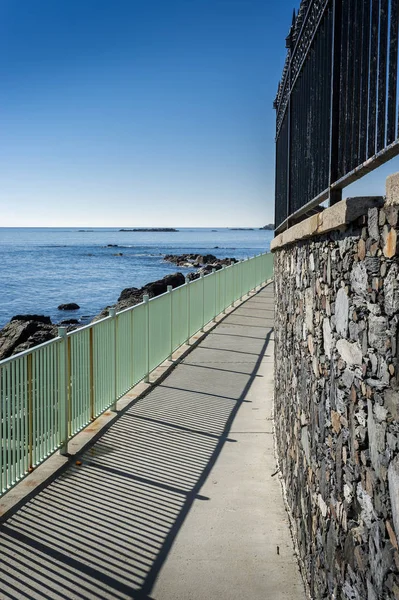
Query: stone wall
point(337, 403)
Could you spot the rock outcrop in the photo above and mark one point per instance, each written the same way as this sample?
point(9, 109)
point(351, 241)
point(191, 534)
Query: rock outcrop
point(198, 260)
point(69, 306)
point(37, 318)
point(131, 296)
point(269, 227)
point(24, 332)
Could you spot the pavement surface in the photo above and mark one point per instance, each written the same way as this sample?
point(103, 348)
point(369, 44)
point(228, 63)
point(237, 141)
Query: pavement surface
point(177, 499)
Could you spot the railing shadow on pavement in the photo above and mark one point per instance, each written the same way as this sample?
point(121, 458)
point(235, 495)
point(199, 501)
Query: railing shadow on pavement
point(105, 528)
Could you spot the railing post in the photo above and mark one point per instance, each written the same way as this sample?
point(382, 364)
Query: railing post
point(203, 301)
point(146, 299)
point(30, 418)
point(262, 270)
point(214, 276)
point(91, 366)
point(242, 262)
point(63, 389)
point(170, 290)
point(112, 314)
point(234, 282)
point(223, 276)
point(187, 283)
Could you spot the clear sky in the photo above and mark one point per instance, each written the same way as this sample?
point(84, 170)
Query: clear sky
point(141, 112)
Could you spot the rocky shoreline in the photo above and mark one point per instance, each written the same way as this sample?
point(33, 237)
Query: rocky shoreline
point(27, 331)
point(204, 262)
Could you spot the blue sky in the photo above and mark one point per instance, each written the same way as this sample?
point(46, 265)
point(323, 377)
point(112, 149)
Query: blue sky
point(141, 113)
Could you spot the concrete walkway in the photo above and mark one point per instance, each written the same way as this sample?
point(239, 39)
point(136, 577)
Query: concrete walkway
point(176, 501)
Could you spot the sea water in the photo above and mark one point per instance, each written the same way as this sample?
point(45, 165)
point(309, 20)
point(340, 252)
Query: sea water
point(41, 268)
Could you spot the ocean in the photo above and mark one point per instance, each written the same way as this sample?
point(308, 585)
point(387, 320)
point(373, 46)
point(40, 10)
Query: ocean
point(41, 268)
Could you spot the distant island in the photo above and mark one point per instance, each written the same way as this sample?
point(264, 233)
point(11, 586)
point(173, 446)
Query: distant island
point(154, 229)
point(269, 227)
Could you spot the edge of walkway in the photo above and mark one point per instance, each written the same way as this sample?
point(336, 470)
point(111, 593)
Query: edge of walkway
point(53, 466)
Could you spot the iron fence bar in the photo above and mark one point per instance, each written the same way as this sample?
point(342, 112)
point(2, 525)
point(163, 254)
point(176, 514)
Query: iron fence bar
point(392, 73)
point(371, 146)
point(382, 75)
point(335, 97)
point(289, 144)
point(365, 73)
point(349, 113)
point(356, 60)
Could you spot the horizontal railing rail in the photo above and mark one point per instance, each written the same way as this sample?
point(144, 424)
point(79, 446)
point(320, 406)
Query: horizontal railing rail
point(51, 392)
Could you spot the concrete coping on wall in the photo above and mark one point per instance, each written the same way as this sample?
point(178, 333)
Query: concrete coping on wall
point(392, 190)
point(336, 217)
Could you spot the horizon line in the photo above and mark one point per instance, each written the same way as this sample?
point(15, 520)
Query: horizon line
point(128, 227)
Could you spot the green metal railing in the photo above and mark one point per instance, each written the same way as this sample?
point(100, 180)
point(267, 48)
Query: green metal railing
point(53, 391)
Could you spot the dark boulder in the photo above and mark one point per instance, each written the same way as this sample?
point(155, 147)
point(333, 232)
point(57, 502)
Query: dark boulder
point(181, 260)
point(193, 276)
point(208, 258)
point(197, 260)
point(19, 335)
point(14, 333)
point(37, 318)
point(69, 306)
point(156, 288)
point(207, 269)
point(45, 334)
point(131, 296)
point(69, 322)
point(127, 293)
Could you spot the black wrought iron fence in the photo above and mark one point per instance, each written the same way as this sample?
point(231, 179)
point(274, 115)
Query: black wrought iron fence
point(336, 105)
